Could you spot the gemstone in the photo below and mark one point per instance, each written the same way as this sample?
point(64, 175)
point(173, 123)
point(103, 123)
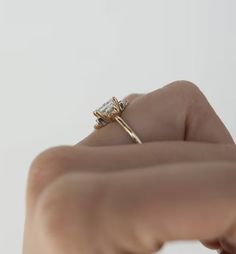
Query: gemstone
point(107, 107)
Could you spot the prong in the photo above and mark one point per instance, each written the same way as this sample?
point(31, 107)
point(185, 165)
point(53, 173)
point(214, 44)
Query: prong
point(115, 100)
point(123, 104)
point(100, 115)
point(116, 105)
point(97, 126)
point(95, 113)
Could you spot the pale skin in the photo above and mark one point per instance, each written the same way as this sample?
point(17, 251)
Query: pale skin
point(108, 195)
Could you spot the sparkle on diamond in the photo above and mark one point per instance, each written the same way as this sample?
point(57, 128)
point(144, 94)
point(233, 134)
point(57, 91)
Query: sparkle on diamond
point(107, 107)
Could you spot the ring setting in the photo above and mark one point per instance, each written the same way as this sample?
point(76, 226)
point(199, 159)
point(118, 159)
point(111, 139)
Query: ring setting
point(108, 111)
point(111, 111)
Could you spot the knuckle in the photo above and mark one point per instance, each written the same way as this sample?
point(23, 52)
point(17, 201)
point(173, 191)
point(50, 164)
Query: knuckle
point(67, 205)
point(185, 86)
point(188, 90)
point(50, 214)
point(45, 167)
point(54, 202)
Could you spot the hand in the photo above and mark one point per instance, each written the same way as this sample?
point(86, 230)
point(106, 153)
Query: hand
point(106, 196)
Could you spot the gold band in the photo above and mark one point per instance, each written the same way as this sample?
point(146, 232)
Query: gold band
point(126, 127)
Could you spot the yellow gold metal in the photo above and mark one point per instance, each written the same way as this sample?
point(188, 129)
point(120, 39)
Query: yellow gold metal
point(111, 111)
point(126, 127)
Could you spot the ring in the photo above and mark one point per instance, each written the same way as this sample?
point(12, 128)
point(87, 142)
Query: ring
point(111, 111)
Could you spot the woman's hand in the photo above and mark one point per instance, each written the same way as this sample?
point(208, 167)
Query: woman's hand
point(106, 196)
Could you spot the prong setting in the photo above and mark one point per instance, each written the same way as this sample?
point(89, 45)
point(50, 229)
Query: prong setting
point(108, 111)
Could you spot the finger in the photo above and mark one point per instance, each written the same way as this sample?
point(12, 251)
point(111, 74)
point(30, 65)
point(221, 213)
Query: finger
point(153, 153)
point(178, 111)
point(202, 122)
point(58, 161)
point(175, 202)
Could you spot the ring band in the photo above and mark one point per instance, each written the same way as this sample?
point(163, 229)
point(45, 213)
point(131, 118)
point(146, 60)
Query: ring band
point(126, 127)
point(111, 111)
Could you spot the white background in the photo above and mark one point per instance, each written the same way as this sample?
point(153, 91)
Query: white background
point(61, 59)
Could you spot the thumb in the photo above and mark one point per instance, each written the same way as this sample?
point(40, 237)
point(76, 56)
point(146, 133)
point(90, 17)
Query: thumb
point(145, 208)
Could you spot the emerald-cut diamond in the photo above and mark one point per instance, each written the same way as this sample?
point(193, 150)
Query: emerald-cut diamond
point(108, 111)
point(107, 107)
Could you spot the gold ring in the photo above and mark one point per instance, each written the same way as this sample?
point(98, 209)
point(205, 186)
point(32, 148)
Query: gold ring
point(111, 111)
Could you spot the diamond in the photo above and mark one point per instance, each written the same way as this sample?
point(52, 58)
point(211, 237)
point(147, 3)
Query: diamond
point(107, 107)
point(109, 111)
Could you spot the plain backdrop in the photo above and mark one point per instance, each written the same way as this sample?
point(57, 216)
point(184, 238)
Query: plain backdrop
point(60, 59)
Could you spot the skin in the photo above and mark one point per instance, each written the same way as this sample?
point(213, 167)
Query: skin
point(108, 195)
